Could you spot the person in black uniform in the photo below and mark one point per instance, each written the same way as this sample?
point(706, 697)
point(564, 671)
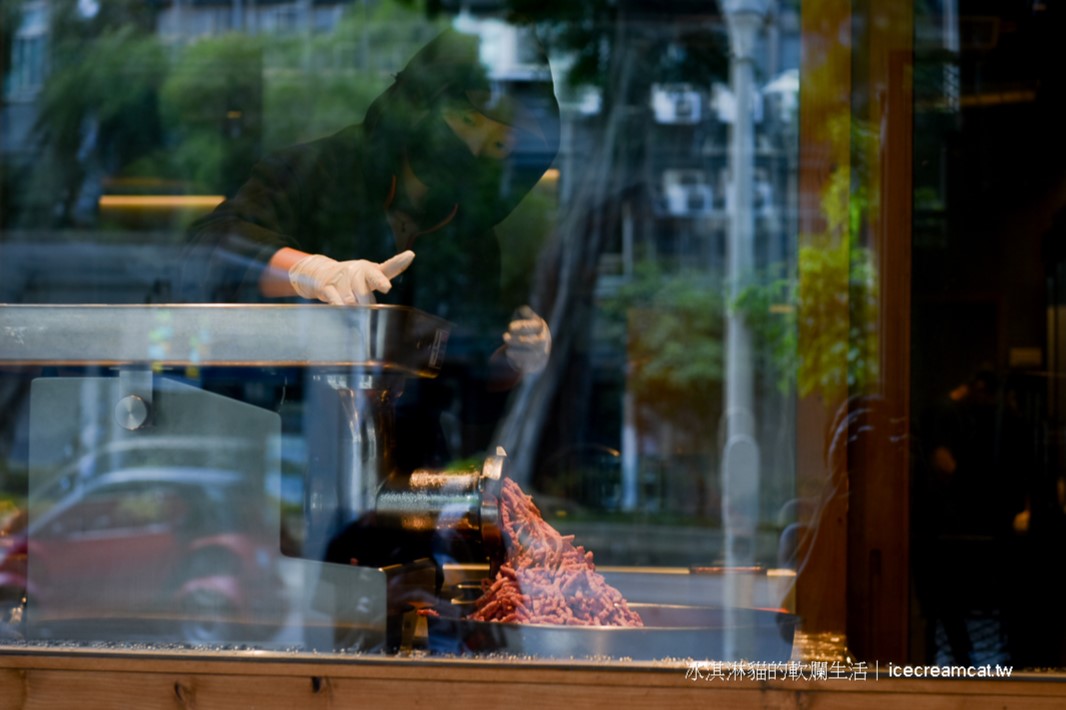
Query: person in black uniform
point(397, 209)
point(429, 172)
point(400, 209)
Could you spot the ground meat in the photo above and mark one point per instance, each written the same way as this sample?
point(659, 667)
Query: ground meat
point(546, 579)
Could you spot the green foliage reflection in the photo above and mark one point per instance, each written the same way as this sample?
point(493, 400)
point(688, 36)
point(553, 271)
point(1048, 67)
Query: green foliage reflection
point(674, 325)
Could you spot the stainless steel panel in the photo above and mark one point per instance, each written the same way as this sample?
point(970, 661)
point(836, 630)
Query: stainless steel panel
point(381, 338)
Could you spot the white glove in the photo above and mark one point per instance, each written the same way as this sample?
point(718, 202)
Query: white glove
point(527, 342)
point(342, 283)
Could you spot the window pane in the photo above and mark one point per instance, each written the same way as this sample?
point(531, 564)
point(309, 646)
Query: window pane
point(222, 427)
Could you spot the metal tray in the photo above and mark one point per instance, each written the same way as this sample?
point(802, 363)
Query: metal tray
point(378, 337)
point(670, 632)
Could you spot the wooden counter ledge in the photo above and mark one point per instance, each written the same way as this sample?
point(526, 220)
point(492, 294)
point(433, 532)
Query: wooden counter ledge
point(89, 679)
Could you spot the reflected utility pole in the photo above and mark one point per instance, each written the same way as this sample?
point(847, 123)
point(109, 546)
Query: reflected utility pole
point(740, 459)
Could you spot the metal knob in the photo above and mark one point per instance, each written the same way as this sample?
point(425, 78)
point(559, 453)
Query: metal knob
point(132, 412)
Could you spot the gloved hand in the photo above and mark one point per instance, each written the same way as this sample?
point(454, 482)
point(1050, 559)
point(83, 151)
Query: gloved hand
point(339, 283)
point(527, 342)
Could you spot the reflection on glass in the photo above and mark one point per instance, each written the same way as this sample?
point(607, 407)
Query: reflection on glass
point(987, 492)
point(565, 183)
point(166, 532)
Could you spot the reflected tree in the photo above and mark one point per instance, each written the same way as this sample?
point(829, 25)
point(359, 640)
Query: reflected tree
point(119, 104)
point(211, 107)
point(316, 85)
point(672, 327)
point(619, 50)
point(98, 108)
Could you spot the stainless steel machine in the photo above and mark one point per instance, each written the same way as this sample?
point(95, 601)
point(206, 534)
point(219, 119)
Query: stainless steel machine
point(114, 396)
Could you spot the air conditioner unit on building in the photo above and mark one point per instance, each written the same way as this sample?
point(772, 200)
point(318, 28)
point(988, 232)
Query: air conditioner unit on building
point(687, 193)
point(677, 104)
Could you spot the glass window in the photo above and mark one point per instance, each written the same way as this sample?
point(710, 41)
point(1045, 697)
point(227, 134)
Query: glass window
point(601, 206)
point(475, 328)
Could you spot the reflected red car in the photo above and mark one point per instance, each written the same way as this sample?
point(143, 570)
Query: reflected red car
point(171, 554)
